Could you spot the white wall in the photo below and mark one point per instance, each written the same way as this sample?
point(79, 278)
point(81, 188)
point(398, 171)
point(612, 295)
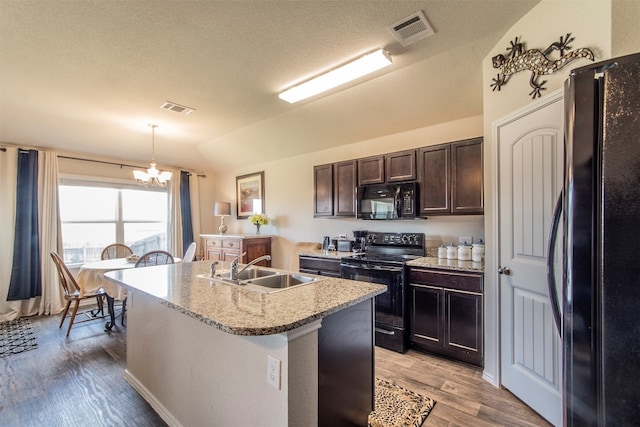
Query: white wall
point(590, 22)
point(289, 194)
point(625, 37)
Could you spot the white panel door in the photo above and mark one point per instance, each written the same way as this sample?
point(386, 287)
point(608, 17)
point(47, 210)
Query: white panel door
point(530, 178)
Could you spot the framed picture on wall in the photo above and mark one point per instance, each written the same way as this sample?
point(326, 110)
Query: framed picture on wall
point(250, 194)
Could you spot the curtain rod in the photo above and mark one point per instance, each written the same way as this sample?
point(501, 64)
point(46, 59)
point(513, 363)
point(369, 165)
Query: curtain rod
point(112, 163)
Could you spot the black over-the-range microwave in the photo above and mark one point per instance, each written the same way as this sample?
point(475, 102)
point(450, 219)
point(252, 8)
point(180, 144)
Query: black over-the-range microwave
point(387, 201)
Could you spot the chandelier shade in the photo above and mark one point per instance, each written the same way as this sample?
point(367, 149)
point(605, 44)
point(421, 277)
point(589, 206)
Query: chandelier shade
point(152, 176)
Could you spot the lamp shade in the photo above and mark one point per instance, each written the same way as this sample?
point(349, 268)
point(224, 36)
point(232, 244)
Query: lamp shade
point(222, 209)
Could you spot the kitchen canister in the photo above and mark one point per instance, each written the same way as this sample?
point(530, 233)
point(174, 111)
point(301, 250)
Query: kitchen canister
point(452, 251)
point(442, 251)
point(477, 252)
point(464, 253)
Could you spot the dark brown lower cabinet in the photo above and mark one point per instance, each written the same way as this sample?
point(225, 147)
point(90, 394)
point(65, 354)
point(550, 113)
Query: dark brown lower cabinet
point(346, 367)
point(446, 314)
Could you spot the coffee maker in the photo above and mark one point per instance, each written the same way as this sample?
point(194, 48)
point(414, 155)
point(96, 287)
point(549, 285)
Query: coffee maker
point(360, 244)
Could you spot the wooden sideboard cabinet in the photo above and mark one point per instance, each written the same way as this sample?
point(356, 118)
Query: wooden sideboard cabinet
point(227, 248)
point(446, 313)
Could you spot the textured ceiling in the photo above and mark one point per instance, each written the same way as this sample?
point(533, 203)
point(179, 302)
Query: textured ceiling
point(88, 77)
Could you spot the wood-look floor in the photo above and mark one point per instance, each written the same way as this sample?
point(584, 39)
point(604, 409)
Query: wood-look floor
point(78, 381)
point(463, 397)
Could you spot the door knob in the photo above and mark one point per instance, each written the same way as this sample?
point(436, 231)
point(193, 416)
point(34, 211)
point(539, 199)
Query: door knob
point(504, 270)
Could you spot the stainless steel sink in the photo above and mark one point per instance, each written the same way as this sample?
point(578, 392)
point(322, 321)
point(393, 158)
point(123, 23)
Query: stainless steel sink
point(282, 281)
point(254, 273)
point(243, 276)
point(264, 281)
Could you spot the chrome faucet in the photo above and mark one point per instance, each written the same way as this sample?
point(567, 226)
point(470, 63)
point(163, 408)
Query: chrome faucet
point(234, 265)
point(213, 269)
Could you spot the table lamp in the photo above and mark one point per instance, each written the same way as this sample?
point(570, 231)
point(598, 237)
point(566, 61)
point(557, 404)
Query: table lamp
point(222, 209)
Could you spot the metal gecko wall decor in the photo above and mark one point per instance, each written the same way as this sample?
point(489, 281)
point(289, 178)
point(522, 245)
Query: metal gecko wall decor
point(539, 63)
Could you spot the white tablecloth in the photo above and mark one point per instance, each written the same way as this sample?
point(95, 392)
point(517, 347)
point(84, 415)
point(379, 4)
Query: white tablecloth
point(91, 276)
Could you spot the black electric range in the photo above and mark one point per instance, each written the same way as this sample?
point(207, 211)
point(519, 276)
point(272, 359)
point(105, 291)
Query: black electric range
point(383, 262)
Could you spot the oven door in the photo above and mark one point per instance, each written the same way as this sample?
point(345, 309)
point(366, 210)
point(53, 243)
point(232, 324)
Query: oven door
point(389, 305)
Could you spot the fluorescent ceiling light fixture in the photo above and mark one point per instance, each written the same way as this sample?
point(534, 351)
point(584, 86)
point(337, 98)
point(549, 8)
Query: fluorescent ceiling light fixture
point(360, 67)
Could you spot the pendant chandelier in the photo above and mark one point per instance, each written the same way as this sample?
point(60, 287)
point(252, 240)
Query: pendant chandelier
point(152, 176)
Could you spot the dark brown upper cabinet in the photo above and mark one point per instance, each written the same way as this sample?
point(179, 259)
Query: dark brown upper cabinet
point(467, 192)
point(392, 167)
point(451, 178)
point(345, 180)
point(401, 166)
point(323, 190)
point(335, 189)
point(371, 170)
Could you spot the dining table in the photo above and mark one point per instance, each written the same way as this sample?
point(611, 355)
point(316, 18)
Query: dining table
point(91, 278)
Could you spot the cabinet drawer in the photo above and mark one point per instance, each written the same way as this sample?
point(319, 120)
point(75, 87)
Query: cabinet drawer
point(453, 280)
point(231, 244)
point(213, 243)
point(320, 265)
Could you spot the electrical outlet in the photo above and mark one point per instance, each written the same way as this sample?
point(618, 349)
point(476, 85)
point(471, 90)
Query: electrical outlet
point(273, 372)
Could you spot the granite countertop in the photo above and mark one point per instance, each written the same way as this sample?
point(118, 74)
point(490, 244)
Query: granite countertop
point(239, 311)
point(447, 264)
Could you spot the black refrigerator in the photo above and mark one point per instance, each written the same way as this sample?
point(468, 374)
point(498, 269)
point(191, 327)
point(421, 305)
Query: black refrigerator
point(598, 310)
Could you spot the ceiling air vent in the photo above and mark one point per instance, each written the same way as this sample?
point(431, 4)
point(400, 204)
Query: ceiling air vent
point(412, 28)
point(172, 106)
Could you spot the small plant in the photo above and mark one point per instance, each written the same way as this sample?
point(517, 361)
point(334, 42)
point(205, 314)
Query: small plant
point(259, 219)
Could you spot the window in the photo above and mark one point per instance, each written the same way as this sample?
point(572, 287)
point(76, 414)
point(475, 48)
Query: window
point(96, 214)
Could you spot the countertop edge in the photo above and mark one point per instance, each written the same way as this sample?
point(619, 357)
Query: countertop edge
point(447, 265)
point(251, 330)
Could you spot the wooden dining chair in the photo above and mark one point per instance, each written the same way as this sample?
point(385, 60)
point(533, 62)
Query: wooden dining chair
point(72, 293)
point(190, 254)
point(154, 258)
point(116, 250)
point(146, 260)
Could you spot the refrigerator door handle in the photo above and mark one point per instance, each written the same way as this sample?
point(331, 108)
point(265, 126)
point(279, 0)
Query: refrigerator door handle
point(551, 273)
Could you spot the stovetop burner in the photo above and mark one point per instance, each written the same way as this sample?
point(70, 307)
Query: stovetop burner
point(394, 248)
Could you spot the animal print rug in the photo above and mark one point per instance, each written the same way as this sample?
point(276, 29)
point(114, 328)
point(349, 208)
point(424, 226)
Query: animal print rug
point(396, 406)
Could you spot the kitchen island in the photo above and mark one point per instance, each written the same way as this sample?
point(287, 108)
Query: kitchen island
point(203, 352)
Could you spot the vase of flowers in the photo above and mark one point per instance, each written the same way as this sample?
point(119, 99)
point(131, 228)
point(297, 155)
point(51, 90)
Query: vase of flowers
point(258, 220)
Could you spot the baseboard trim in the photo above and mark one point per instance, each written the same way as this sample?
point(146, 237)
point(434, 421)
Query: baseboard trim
point(151, 400)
